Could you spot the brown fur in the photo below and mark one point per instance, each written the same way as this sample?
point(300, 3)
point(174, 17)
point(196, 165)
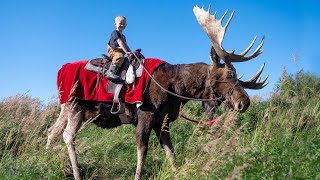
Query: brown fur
point(159, 108)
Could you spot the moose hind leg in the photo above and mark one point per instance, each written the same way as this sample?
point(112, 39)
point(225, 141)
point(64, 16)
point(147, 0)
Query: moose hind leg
point(75, 117)
point(57, 128)
point(142, 137)
point(163, 134)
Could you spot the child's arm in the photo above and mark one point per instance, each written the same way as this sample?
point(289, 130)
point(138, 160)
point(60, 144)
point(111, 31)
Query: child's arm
point(124, 46)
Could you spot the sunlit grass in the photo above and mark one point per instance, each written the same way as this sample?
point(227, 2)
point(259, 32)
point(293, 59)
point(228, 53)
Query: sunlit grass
point(278, 138)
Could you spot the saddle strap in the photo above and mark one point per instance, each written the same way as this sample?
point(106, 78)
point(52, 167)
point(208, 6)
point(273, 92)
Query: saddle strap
point(118, 106)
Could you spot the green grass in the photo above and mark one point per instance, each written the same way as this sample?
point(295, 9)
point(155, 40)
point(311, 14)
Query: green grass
point(278, 138)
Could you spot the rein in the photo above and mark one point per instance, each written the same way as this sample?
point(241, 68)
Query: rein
point(210, 122)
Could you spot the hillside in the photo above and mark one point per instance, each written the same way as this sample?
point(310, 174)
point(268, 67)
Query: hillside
point(276, 138)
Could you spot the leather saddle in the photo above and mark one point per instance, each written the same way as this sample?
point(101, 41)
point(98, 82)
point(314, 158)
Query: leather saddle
point(99, 65)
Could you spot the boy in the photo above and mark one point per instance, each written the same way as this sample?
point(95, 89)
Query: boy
point(117, 48)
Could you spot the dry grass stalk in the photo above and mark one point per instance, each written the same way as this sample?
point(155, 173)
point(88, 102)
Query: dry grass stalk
point(165, 125)
point(236, 173)
point(86, 123)
point(27, 122)
point(218, 134)
point(73, 88)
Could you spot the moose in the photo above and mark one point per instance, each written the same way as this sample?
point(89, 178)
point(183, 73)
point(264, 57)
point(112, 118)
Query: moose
point(214, 84)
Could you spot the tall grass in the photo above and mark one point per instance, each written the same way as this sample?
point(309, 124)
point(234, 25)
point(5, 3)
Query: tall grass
point(278, 138)
point(23, 125)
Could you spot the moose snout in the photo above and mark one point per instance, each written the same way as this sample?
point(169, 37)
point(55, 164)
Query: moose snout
point(241, 106)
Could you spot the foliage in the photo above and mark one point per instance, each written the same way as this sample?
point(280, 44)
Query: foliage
point(299, 84)
point(277, 138)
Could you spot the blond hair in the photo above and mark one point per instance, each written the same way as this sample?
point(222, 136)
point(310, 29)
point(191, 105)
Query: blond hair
point(118, 18)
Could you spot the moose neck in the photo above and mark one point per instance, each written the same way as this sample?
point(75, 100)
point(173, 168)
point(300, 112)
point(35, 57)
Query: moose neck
point(190, 80)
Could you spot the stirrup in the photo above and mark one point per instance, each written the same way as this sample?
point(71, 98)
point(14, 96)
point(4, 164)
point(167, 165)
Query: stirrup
point(118, 107)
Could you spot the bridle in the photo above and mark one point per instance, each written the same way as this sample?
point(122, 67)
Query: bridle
point(227, 95)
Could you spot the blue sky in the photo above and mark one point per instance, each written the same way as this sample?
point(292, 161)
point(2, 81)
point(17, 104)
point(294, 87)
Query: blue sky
point(37, 37)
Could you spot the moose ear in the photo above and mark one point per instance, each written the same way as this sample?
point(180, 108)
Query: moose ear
point(214, 57)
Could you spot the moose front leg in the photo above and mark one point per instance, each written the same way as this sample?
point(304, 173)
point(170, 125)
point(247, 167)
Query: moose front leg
point(163, 134)
point(142, 138)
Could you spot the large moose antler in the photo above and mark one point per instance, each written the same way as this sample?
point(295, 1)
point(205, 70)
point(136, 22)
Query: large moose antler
point(215, 32)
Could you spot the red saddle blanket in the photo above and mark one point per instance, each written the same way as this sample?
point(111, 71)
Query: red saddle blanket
point(74, 81)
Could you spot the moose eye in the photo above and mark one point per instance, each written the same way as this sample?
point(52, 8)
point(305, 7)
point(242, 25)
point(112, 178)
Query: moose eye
point(230, 74)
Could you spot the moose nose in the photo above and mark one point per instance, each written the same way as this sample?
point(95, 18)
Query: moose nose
point(239, 106)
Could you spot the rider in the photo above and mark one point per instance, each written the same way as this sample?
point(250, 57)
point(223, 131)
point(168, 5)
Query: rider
point(117, 48)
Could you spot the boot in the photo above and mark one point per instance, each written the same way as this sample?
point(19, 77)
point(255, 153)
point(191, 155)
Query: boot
point(111, 73)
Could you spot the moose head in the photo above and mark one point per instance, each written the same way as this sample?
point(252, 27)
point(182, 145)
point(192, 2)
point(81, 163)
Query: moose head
point(223, 77)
